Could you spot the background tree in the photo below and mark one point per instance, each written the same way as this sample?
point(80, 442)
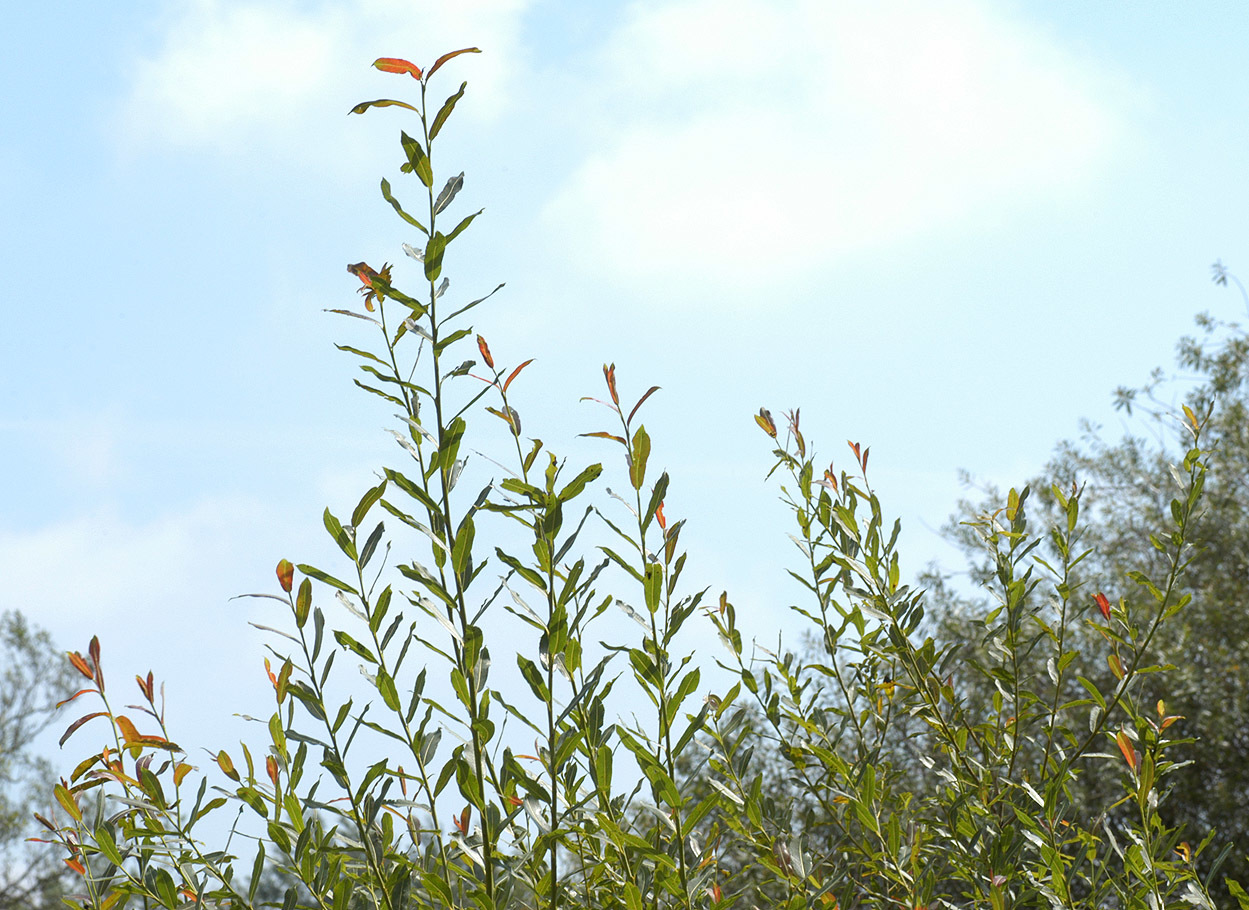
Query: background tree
point(33, 676)
point(1129, 486)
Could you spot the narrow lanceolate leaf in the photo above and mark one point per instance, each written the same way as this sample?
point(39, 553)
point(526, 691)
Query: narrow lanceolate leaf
point(396, 65)
point(78, 723)
point(445, 57)
point(640, 452)
point(380, 102)
point(516, 372)
point(433, 256)
point(609, 373)
point(764, 419)
point(485, 352)
point(453, 186)
point(445, 111)
point(649, 392)
point(66, 799)
point(1125, 746)
point(81, 665)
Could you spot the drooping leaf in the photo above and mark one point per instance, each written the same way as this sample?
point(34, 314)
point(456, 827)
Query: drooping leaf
point(380, 102)
point(78, 723)
point(389, 197)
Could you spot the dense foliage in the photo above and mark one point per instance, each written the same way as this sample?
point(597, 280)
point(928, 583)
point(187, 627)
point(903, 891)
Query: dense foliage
point(413, 792)
point(1129, 487)
point(33, 676)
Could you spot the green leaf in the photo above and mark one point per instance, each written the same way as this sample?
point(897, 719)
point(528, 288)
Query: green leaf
point(303, 601)
point(578, 483)
point(653, 586)
point(352, 645)
point(456, 233)
point(340, 536)
point(386, 194)
point(418, 161)
point(314, 572)
point(367, 501)
point(445, 111)
point(386, 686)
point(449, 192)
point(639, 452)
point(433, 255)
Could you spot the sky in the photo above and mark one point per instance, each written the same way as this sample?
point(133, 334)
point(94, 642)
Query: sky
point(947, 230)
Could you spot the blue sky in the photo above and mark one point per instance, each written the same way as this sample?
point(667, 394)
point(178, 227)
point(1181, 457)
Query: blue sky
point(948, 230)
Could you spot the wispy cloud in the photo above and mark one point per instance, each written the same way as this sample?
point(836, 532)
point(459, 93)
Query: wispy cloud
point(230, 75)
point(750, 138)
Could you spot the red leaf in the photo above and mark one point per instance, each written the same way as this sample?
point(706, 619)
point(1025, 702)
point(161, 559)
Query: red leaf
point(659, 517)
point(1103, 604)
point(609, 373)
point(286, 575)
point(93, 650)
point(649, 392)
point(516, 372)
point(271, 766)
point(445, 57)
point(78, 723)
point(395, 65)
point(461, 823)
point(1125, 746)
point(272, 678)
point(81, 665)
point(485, 352)
point(75, 695)
point(76, 866)
point(363, 271)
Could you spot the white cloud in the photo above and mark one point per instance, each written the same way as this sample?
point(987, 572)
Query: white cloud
point(743, 139)
point(230, 74)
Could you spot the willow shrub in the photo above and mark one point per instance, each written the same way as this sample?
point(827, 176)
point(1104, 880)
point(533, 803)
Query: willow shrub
point(397, 799)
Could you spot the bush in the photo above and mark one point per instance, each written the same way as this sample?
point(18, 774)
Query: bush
point(363, 800)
